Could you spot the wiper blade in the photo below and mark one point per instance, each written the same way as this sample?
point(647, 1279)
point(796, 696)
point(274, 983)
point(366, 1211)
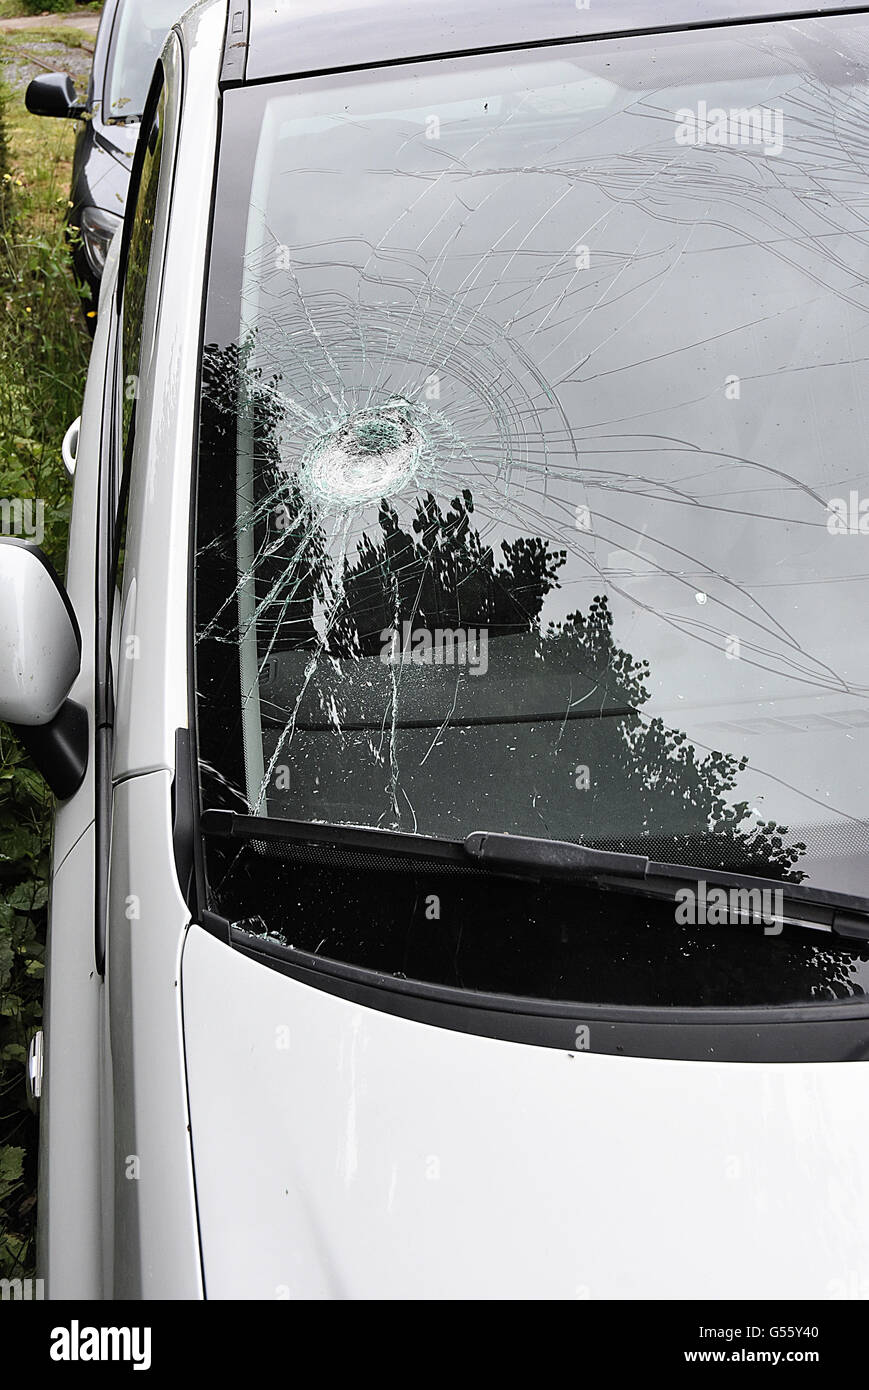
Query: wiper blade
point(844, 914)
point(518, 856)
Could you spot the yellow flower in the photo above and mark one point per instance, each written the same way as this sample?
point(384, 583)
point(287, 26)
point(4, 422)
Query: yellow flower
point(28, 310)
point(92, 313)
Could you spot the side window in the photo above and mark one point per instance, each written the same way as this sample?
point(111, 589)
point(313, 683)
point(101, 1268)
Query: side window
point(135, 269)
point(133, 281)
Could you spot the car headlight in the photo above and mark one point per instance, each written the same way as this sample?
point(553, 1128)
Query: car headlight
point(97, 229)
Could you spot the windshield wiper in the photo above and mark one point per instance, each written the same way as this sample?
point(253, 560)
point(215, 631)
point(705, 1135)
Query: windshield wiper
point(520, 856)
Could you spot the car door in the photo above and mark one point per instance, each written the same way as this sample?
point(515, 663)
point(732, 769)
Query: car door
point(68, 1238)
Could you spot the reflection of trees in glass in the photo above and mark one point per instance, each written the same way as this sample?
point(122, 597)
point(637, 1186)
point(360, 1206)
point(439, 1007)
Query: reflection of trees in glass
point(654, 772)
point(660, 774)
point(650, 790)
point(442, 576)
point(291, 569)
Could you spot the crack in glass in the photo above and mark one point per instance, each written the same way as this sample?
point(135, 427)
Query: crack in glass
point(511, 361)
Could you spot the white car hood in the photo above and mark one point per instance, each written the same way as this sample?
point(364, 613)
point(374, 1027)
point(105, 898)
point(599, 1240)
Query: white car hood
point(340, 1152)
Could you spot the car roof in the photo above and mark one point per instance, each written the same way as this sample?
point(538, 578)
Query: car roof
point(291, 37)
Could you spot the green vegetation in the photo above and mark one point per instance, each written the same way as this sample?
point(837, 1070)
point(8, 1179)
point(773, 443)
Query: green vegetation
point(43, 357)
point(40, 6)
point(11, 9)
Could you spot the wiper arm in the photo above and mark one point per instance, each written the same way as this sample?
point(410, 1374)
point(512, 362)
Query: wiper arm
point(353, 844)
point(518, 856)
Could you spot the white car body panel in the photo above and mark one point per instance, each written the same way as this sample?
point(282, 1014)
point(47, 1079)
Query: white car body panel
point(153, 1248)
point(69, 1241)
point(361, 1155)
point(74, 816)
point(68, 1253)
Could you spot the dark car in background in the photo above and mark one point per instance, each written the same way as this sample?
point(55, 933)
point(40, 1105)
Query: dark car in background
point(130, 37)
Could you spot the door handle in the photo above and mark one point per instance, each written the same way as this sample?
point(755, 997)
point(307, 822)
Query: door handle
point(69, 448)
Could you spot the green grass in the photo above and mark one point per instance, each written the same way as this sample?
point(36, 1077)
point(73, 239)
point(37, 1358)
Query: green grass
point(43, 357)
point(48, 33)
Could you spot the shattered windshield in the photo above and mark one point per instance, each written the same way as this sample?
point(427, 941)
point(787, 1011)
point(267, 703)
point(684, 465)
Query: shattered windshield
point(532, 486)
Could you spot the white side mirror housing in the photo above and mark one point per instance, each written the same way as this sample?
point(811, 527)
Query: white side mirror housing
point(40, 642)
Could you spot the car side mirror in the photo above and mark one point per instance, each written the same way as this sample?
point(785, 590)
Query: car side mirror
point(40, 657)
point(53, 94)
